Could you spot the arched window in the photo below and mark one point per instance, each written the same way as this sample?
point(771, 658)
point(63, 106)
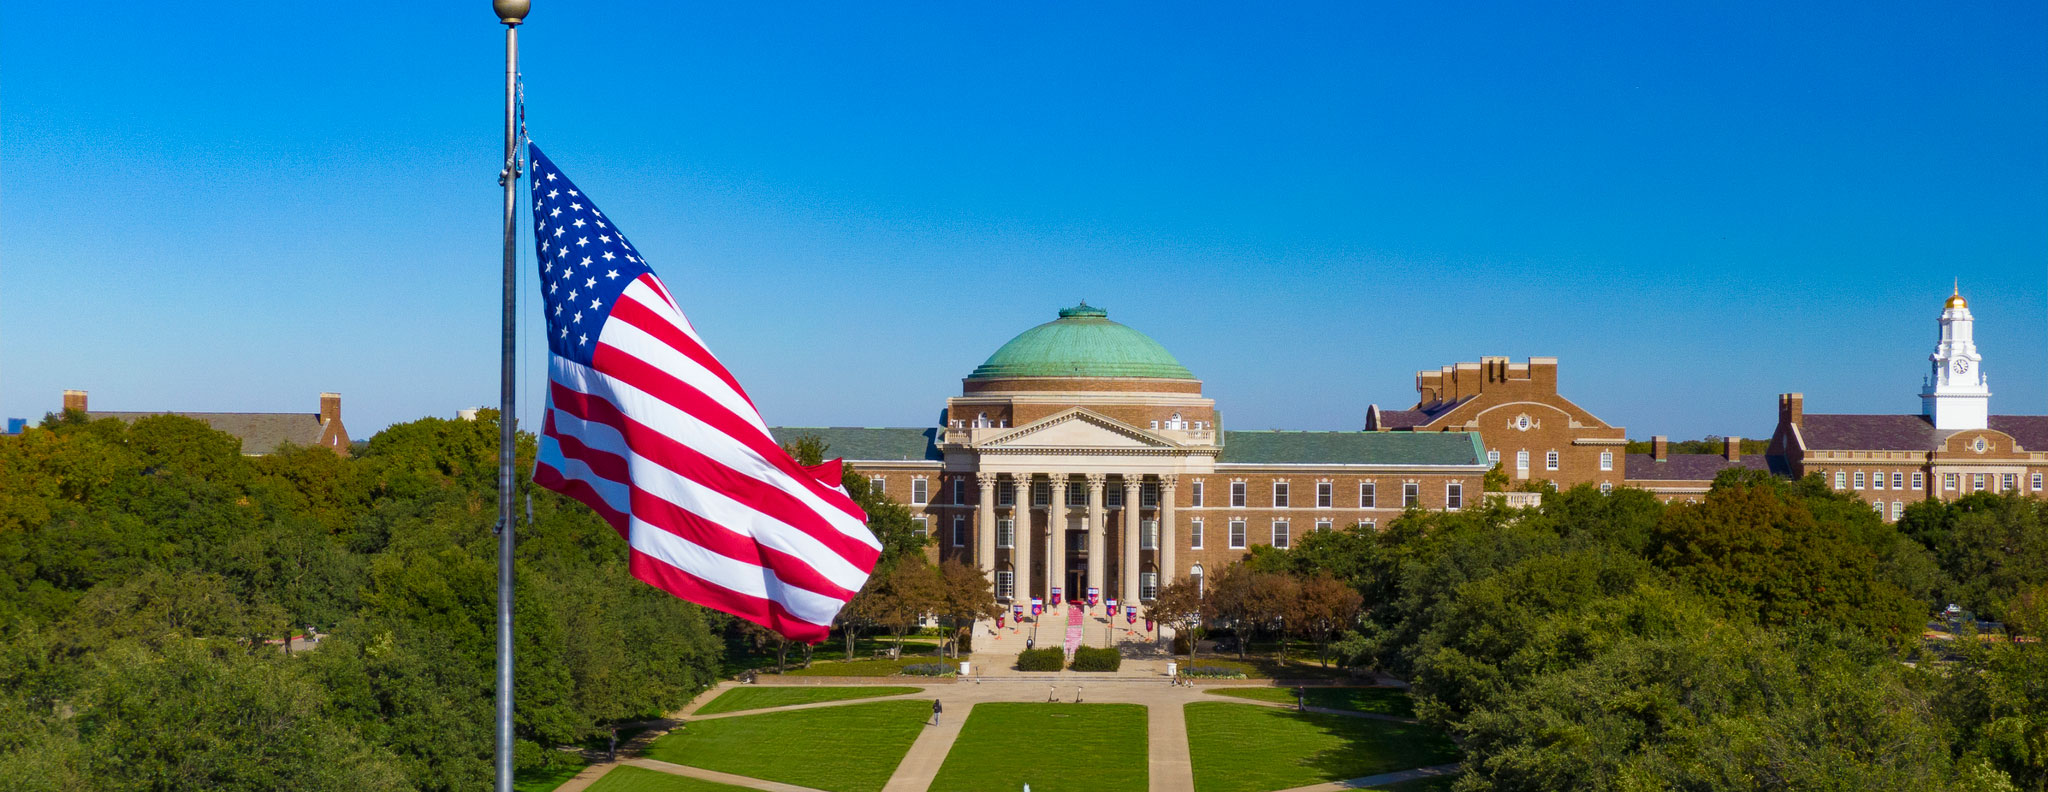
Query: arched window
point(1195, 575)
point(981, 421)
point(1174, 422)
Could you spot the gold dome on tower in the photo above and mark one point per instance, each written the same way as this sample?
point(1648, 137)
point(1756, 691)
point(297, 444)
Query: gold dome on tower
point(1955, 298)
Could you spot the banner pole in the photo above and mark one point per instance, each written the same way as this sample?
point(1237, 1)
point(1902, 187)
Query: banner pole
point(510, 13)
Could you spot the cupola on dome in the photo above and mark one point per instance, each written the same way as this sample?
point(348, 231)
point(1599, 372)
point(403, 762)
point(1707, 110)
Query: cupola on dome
point(1083, 342)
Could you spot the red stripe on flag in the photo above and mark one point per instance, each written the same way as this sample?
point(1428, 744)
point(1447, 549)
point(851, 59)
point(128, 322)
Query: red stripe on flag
point(551, 478)
point(695, 466)
point(790, 569)
point(643, 317)
point(765, 612)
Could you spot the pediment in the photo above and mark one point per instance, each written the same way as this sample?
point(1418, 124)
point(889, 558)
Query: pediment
point(1079, 429)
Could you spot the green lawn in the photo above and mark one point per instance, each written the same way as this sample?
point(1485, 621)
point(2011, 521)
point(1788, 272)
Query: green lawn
point(1245, 748)
point(852, 748)
point(1433, 784)
point(749, 698)
point(626, 778)
point(566, 767)
point(1256, 667)
point(880, 666)
point(1382, 701)
point(1099, 747)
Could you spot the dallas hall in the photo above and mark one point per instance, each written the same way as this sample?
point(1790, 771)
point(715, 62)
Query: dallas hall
point(1082, 456)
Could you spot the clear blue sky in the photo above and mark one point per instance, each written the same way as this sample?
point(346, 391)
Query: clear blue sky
point(237, 206)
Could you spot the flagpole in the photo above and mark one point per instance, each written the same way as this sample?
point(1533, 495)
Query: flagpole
point(510, 13)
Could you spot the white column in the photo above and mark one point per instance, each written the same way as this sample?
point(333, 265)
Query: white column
point(1096, 531)
point(1168, 489)
point(1056, 532)
point(1020, 542)
point(985, 528)
point(1134, 519)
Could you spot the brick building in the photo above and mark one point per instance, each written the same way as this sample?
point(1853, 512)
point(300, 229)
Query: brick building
point(261, 433)
point(1687, 477)
point(1083, 456)
point(1527, 428)
point(1954, 447)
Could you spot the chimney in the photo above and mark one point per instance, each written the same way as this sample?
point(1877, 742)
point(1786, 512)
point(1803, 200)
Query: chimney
point(330, 408)
point(1733, 448)
point(1660, 448)
point(1791, 408)
point(74, 400)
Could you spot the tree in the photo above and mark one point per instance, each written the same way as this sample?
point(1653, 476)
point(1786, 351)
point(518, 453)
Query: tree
point(1178, 605)
point(1229, 601)
point(1327, 607)
point(1275, 604)
point(911, 590)
point(966, 596)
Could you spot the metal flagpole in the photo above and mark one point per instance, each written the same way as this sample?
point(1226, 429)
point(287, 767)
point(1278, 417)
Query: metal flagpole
point(510, 13)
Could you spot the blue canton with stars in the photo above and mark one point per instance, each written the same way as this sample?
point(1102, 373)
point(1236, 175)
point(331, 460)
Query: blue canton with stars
point(585, 263)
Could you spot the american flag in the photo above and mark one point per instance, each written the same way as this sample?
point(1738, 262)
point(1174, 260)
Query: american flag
point(644, 425)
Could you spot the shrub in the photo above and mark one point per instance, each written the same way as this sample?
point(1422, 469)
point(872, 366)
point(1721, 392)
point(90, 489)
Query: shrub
point(1041, 660)
point(1096, 659)
point(1214, 672)
point(930, 669)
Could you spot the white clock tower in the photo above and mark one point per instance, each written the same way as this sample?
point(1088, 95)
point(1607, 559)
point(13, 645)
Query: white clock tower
point(1956, 396)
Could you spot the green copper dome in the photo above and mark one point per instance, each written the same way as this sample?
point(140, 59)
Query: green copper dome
point(1083, 342)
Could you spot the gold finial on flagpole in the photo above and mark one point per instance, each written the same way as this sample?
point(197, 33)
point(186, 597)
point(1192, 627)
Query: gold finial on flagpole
point(511, 12)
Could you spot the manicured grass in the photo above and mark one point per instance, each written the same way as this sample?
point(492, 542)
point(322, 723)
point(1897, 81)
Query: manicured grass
point(1099, 747)
point(626, 778)
point(1255, 667)
point(566, 767)
point(1245, 748)
point(1381, 701)
point(1440, 783)
point(876, 667)
point(852, 748)
point(748, 698)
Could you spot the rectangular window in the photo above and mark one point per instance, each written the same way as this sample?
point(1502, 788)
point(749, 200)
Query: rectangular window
point(1148, 585)
point(1280, 534)
point(1279, 494)
point(1326, 494)
point(1606, 487)
point(1041, 493)
point(1006, 585)
point(1492, 456)
point(920, 491)
point(1195, 495)
point(1607, 460)
point(1919, 480)
point(1454, 495)
point(1370, 525)
point(1148, 538)
point(1841, 480)
point(1522, 461)
point(1550, 460)
point(1367, 497)
point(1237, 493)
point(921, 526)
point(959, 497)
point(1114, 498)
point(1977, 482)
point(1898, 509)
point(1322, 525)
point(1006, 534)
point(1857, 477)
point(1006, 496)
point(1076, 496)
point(1237, 534)
point(1898, 481)
point(878, 485)
point(1148, 495)
point(1411, 495)
point(2037, 482)
point(2009, 482)
point(1195, 534)
point(1879, 508)
point(959, 530)
point(1948, 481)
point(1877, 480)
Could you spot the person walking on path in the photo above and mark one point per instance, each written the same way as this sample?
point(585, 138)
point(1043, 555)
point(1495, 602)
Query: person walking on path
point(936, 711)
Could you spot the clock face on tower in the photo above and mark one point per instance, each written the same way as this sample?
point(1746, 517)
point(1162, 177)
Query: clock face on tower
point(1961, 366)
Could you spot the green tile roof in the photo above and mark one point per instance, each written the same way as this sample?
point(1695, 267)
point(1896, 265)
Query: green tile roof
point(1083, 342)
point(1352, 448)
point(867, 444)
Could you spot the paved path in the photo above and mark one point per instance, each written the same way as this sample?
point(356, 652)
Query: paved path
point(1168, 760)
point(1378, 780)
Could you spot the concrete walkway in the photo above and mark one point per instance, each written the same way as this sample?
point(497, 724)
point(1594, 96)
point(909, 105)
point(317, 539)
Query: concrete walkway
point(1169, 764)
point(1378, 780)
